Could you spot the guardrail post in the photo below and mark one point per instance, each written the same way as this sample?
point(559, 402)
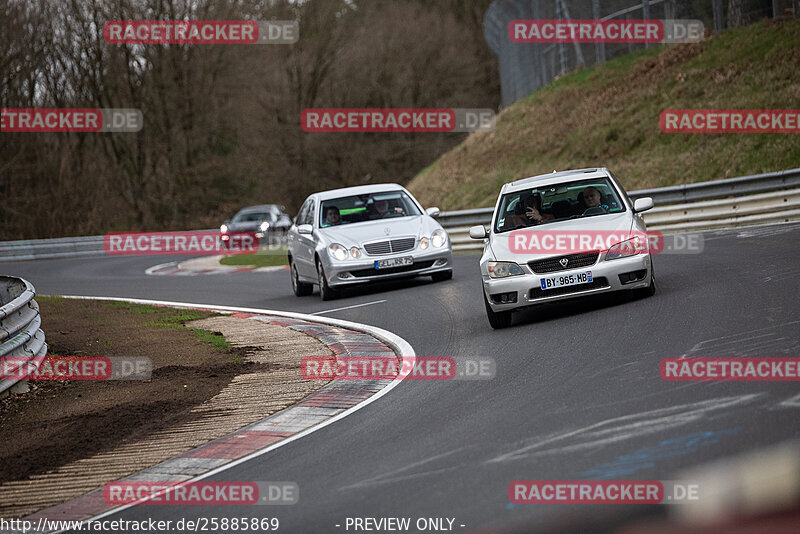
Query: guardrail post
point(669, 9)
point(646, 15)
point(719, 18)
point(599, 48)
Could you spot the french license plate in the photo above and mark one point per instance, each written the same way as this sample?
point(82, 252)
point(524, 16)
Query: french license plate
point(393, 262)
point(566, 280)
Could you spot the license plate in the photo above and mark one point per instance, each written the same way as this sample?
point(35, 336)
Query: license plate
point(393, 262)
point(566, 280)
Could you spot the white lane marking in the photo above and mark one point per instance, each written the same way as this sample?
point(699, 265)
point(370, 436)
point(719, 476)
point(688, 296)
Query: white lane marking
point(347, 307)
point(154, 268)
point(400, 345)
point(388, 477)
point(792, 402)
point(629, 426)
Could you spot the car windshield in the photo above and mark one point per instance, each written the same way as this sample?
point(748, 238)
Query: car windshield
point(252, 216)
point(557, 202)
point(368, 207)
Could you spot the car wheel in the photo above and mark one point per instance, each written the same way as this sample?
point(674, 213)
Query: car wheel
point(650, 290)
point(325, 291)
point(498, 320)
point(301, 289)
point(442, 276)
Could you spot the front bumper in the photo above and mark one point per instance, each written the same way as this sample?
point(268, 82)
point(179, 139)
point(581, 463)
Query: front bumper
point(606, 273)
point(362, 270)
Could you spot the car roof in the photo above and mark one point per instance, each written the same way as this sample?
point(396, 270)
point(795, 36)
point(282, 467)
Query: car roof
point(259, 208)
point(358, 190)
point(554, 178)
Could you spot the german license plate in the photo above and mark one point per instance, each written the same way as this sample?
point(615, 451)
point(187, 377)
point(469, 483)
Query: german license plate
point(393, 262)
point(566, 280)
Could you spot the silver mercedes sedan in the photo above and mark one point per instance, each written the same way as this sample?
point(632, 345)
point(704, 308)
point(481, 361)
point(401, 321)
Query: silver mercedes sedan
point(364, 234)
point(563, 235)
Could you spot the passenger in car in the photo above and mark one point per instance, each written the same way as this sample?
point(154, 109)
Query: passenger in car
point(529, 213)
point(332, 216)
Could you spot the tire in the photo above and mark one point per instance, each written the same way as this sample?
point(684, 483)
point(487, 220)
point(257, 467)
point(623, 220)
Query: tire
point(301, 289)
point(325, 291)
point(650, 290)
point(498, 320)
point(442, 276)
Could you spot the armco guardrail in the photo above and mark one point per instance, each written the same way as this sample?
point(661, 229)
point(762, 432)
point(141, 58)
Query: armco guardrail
point(62, 247)
point(21, 335)
point(51, 248)
point(759, 199)
point(692, 215)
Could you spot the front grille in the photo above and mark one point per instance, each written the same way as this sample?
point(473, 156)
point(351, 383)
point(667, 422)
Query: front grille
point(361, 273)
point(390, 246)
point(574, 261)
point(538, 292)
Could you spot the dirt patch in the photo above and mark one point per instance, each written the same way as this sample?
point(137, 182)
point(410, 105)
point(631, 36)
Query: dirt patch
point(213, 374)
point(60, 422)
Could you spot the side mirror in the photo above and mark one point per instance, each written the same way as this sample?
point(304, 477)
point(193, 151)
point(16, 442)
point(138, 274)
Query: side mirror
point(305, 229)
point(478, 232)
point(642, 204)
point(433, 212)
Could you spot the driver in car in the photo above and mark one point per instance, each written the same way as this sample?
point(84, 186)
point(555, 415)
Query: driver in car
point(382, 208)
point(591, 198)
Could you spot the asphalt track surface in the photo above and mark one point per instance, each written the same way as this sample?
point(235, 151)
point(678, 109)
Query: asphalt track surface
point(577, 393)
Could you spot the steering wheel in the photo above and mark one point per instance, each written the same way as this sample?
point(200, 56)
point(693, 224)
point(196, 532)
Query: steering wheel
point(595, 210)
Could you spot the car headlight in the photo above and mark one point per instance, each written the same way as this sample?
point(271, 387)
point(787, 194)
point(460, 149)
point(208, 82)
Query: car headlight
point(626, 248)
point(355, 252)
point(423, 243)
point(264, 226)
point(337, 251)
point(439, 238)
point(223, 228)
point(502, 269)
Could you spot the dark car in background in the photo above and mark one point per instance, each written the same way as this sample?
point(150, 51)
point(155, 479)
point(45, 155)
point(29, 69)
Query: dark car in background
point(269, 222)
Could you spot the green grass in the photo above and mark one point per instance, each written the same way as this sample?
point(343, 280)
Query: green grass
point(273, 257)
point(176, 318)
point(216, 339)
point(133, 307)
point(609, 116)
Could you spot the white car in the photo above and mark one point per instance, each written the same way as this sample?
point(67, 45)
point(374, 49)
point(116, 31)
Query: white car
point(364, 234)
point(563, 235)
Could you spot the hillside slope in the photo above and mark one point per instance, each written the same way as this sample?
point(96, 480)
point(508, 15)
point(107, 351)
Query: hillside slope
point(609, 116)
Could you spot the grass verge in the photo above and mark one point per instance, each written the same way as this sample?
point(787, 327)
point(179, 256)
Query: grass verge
point(609, 116)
